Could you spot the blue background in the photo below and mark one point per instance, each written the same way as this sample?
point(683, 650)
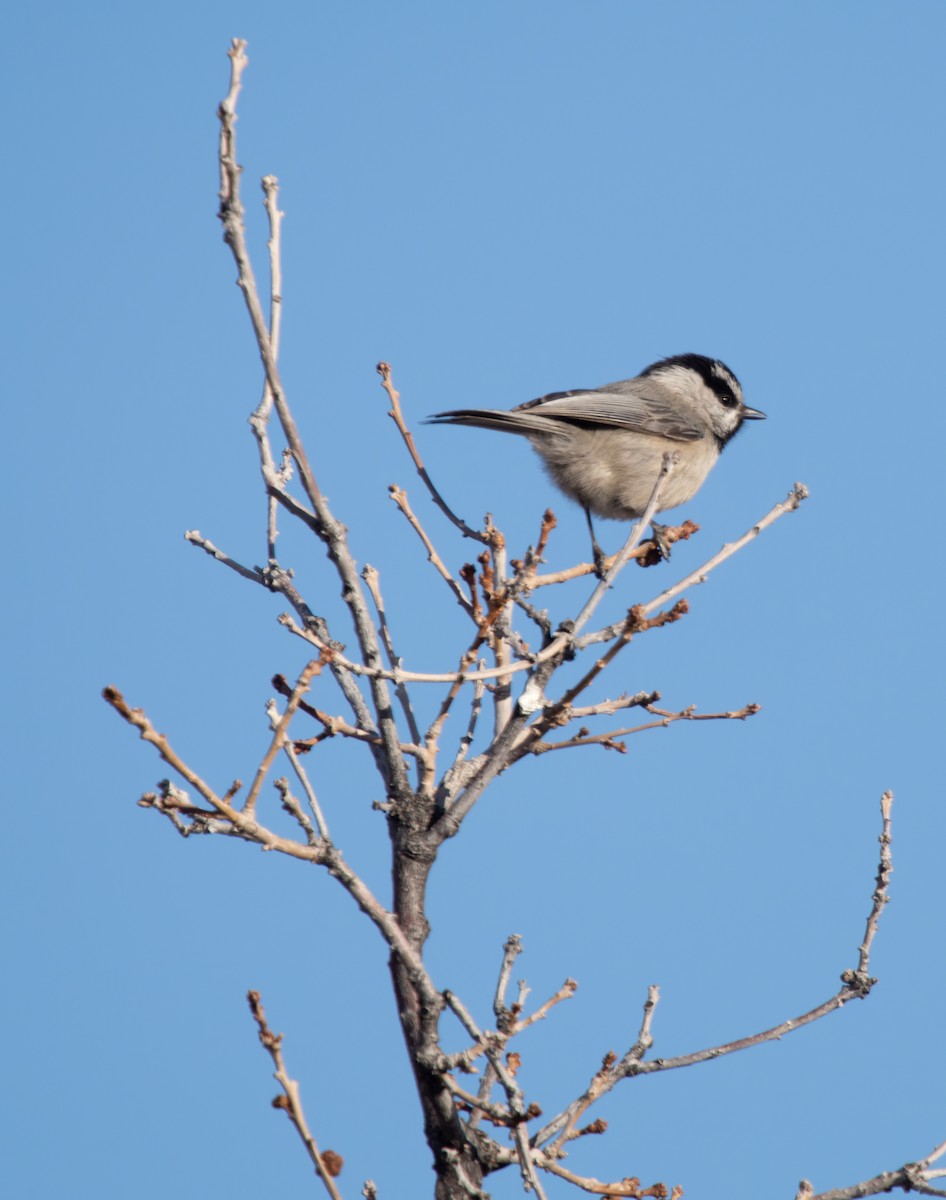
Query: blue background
point(501, 199)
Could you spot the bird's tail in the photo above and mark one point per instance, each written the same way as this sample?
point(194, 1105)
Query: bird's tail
point(495, 418)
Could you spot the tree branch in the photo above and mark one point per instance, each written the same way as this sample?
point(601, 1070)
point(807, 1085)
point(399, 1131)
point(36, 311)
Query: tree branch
point(856, 986)
point(279, 732)
point(911, 1177)
point(327, 1164)
point(789, 505)
point(384, 370)
point(323, 853)
point(331, 532)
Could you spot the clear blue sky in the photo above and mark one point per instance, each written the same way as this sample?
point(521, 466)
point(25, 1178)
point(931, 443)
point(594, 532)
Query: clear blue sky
point(502, 199)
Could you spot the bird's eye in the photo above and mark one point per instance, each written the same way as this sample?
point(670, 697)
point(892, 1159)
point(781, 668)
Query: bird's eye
point(727, 399)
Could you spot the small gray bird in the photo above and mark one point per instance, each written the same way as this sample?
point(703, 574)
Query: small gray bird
point(605, 447)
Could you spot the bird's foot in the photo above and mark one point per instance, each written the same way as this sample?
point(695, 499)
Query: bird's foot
point(660, 539)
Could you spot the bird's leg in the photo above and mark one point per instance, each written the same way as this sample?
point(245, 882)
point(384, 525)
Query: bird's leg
point(661, 541)
point(597, 553)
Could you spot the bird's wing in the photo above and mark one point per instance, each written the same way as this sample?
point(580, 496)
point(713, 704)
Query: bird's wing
point(631, 405)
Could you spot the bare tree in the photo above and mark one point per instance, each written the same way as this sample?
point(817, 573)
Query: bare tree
point(477, 1119)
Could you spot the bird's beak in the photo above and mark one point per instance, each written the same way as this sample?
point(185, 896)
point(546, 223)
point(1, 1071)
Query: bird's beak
point(752, 414)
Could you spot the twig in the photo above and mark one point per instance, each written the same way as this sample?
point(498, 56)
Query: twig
point(384, 370)
point(607, 739)
point(275, 479)
point(254, 574)
point(936, 1153)
point(466, 741)
point(399, 496)
point(502, 645)
point(270, 185)
point(432, 736)
point(373, 583)
point(625, 1187)
point(610, 707)
point(260, 417)
point(291, 1102)
point(565, 992)
point(644, 1038)
point(279, 732)
point(526, 569)
point(147, 732)
point(511, 951)
point(884, 871)
point(795, 497)
point(294, 808)
point(309, 790)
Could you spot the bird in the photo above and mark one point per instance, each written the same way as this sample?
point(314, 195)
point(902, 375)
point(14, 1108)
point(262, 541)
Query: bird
point(604, 447)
